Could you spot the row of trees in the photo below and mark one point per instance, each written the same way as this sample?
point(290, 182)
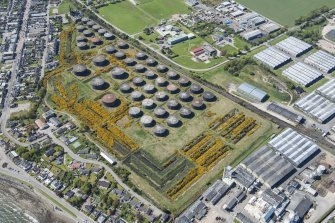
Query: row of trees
point(312, 15)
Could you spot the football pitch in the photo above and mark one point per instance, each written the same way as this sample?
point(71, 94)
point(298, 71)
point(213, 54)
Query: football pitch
point(285, 11)
point(133, 19)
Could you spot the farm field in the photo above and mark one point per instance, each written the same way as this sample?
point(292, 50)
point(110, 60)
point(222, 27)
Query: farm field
point(133, 19)
point(285, 11)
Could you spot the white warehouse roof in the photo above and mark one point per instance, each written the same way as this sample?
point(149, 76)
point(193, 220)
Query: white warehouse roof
point(327, 90)
point(302, 74)
point(317, 107)
point(295, 147)
point(294, 46)
point(272, 57)
point(322, 61)
point(252, 92)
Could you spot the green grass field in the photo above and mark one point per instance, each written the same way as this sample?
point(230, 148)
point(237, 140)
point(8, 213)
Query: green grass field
point(133, 19)
point(285, 11)
point(65, 6)
point(163, 9)
point(127, 17)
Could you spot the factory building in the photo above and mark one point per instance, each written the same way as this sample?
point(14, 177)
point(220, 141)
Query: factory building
point(327, 90)
point(269, 167)
point(295, 147)
point(252, 92)
point(322, 61)
point(253, 34)
point(269, 28)
point(294, 46)
point(316, 106)
point(286, 113)
point(177, 39)
point(272, 58)
point(302, 74)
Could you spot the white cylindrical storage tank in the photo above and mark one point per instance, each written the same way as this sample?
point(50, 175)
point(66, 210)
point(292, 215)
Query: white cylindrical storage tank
point(147, 121)
point(135, 112)
point(148, 103)
point(161, 96)
point(137, 96)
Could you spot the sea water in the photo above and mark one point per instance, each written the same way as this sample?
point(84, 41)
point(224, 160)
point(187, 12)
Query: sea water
point(11, 212)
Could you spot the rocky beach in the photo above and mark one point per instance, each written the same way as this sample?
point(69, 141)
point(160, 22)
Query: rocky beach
point(19, 203)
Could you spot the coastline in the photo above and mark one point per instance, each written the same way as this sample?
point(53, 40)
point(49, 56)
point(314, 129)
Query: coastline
point(32, 203)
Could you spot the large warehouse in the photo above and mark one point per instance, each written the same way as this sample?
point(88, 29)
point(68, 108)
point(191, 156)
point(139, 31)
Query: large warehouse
point(316, 106)
point(272, 58)
point(327, 90)
point(302, 74)
point(251, 35)
point(296, 148)
point(269, 167)
point(285, 112)
point(252, 92)
point(294, 46)
point(322, 61)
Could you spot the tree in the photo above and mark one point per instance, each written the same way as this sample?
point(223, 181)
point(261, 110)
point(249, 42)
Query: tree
point(86, 188)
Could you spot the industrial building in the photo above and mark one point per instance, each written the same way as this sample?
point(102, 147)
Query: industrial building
point(286, 113)
point(273, 58)
point(316, 106)
point(269, 167)
point(215, 192)
point(294, 46)
point(322, 61)
point(302, 74)
point(269, 27)
point(244, 178)
point(327, 90)
point(252, 92)
point(295, 147)
point(251, 35)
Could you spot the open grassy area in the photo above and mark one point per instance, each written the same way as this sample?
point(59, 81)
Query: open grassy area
point(127, 17)
point(252, 74)
point(133, 19)
point(285, 11)
point(65, 6)
point(162, 9)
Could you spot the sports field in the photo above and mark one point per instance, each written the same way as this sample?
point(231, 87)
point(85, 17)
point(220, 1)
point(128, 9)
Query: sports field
point(133, 19)
point(285, 11)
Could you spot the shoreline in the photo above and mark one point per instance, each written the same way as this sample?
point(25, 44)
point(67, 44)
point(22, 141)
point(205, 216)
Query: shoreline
point(31, 202)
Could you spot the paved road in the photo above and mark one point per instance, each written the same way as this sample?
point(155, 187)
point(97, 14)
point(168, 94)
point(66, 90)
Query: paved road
point(15, 67)
point(45, 53)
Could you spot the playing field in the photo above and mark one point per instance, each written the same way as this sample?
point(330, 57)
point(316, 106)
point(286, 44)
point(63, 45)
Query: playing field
point(162, 9)
point(127, 17)
point(133, 19)
point(285, 11)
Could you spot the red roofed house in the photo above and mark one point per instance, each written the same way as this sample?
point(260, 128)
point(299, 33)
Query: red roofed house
point(197, 51)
